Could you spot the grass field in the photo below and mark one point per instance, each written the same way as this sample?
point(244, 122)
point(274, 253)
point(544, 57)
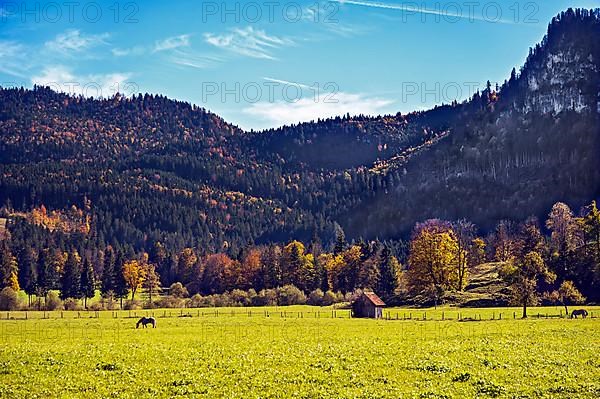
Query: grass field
point(300, 355)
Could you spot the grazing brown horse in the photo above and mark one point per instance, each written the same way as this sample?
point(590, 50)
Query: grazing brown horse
point(579, 312)
point(144, 321)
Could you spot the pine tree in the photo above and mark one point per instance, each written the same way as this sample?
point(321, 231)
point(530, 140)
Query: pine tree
point(340, 240)
point(388, 270)
point(121, 288)
point(49, 263)
point(28, 272)
point(88, 282)
point(71, 277)
point(108, 272)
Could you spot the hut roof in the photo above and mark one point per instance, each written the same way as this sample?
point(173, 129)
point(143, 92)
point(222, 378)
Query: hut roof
point(375, 300)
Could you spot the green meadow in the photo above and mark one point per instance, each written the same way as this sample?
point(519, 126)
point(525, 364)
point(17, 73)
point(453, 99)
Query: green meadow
point(300, 352)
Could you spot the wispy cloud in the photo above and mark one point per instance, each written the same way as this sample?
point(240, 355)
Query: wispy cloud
point(73, 41)
point(416, 9)
point(311, 107)
point(62, 78)
point(288, 83)
point(123, 52)
point(172, 43)
point(192, 59)
point(12, 58)
point(249, 42)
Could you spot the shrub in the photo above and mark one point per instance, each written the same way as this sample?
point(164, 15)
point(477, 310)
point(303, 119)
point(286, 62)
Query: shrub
point(178, 290)
point(132, 305)
point(53, 302)
point(72, 304)
point(265, 298)
point(149, 305)
point(171, 302)
point(96, 306)
point(240, 297)
point(329, 298)
point(9, 299)
point(315, 298)
point(290, 295)
point(108, 302)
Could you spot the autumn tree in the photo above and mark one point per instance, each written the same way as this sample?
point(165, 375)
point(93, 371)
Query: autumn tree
point(568, 294)
point(151, 281)
point(504, 241)
point(185, 265)
point(524, 274)
point(215, 277)
point(465, 234)
point(476, 255)
point(134, 274)
point(159, 256)
point(563, 227)
point(9, 267)
point(432, 259)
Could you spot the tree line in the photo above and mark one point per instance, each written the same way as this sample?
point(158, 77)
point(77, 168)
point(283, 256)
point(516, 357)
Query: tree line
point(561, 266)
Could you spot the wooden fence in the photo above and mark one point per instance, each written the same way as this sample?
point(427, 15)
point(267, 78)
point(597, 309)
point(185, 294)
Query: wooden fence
point(278, 313)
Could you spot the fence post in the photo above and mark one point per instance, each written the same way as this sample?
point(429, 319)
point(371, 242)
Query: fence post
point(443, 316)
point(514, 315)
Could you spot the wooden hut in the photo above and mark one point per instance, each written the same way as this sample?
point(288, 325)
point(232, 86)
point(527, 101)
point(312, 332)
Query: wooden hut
point(368, 305)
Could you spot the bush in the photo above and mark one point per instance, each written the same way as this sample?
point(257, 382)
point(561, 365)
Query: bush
point(171, 302)
point(53, 302)
point(132, 305)
point(315, 298)
point(290, 295)
point(9, 299)
point(177, 290)
point(329, 298)
point(72, 304)
point(96, 306)
point(149, 305)
point(240, 298)
point(265, 298)
point(108, 302)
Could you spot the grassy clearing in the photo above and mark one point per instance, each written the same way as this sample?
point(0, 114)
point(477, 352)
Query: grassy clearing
point(238, 356)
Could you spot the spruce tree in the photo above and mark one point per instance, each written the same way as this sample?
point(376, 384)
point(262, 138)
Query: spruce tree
point(71, 277)
point(88, 282)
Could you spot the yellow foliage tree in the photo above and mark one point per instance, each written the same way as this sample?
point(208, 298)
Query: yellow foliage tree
point(432, 261)
point(14, 282)
point(134, 274)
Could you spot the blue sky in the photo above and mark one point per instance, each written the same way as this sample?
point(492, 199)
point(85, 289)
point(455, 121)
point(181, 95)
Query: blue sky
point(264, 63)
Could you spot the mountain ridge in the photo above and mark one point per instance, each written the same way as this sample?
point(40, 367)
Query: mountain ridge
point(204, 182)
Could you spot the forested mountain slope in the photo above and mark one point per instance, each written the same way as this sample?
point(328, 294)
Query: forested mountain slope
point(147, 169)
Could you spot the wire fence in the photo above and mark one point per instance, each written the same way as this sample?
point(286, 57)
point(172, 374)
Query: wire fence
point(392, 315)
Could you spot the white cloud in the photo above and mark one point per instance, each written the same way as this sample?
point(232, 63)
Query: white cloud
point(73, 41)
point(308, 109)
point(12, 58)
point(137, 50)
point(63, 79)
point(172, 43)
point(249, 42)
